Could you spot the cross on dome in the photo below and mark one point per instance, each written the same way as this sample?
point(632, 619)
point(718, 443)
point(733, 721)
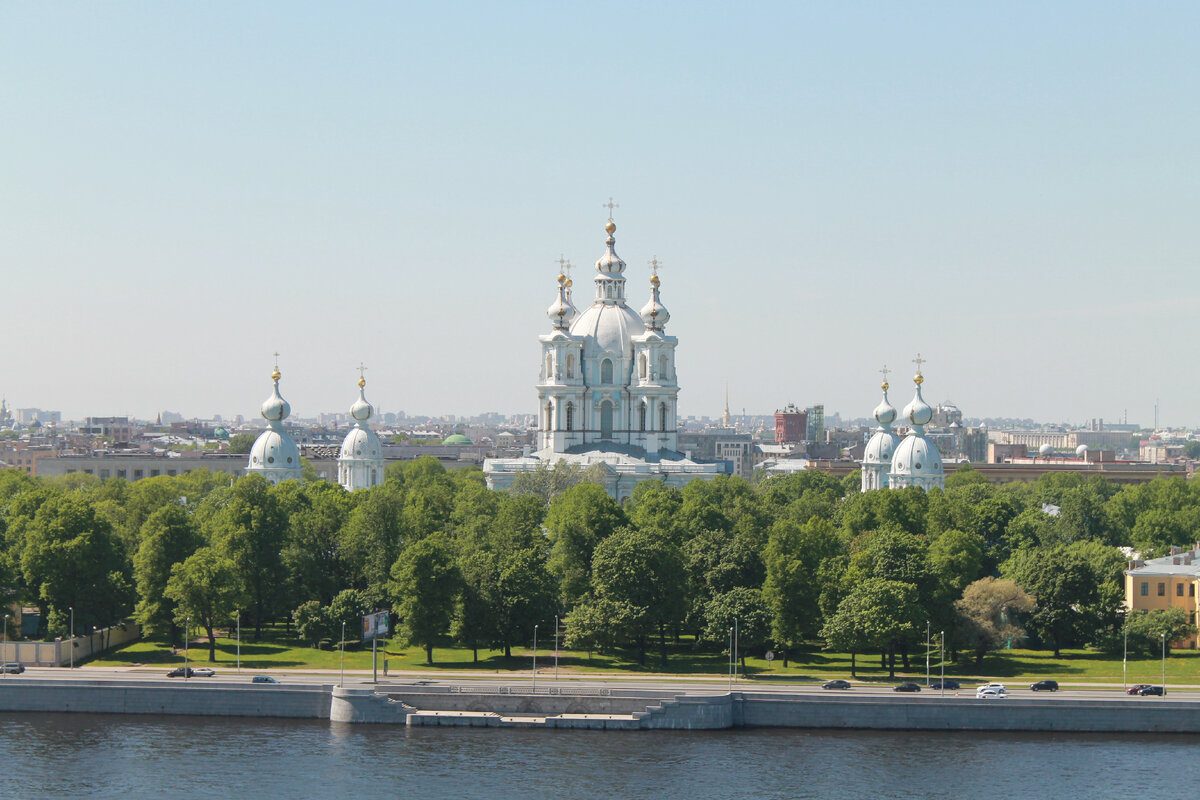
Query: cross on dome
point(610, 205)
point(885, 372)
point(275, 376)
point(362, 380)
point(918, 378)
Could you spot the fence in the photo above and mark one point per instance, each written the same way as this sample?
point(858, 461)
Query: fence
point(58, 652)
point(576, 691)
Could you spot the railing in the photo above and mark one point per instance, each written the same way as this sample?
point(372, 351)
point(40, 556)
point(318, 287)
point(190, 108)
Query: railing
point(573, 691)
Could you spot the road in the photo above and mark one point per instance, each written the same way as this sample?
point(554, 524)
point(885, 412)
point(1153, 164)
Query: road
point(226, 674)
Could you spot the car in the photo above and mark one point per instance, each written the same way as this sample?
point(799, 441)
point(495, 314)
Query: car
point(999, 686)
point(1044, 686)
point(181, 672)
point(986, 693)
point(907, 687)
point(1136, 688)
point(837, 684)
point(12, 668)
point(946, 684)
point(203, 672)
point(1147, 691)
point(263, 679)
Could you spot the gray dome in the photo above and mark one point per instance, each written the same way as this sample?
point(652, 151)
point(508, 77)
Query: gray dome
point(608, 329)
point(917, 456)
point(274, 450)
point(361, 444)
point(881, 447)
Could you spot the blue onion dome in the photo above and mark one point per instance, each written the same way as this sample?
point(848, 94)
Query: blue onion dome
point(275, 408)
point(918, 412)
point(885, 412)
point(361, 410)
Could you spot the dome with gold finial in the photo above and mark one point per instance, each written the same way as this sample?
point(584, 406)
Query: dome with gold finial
point(360, 461)
point(654, 314)
point(274, 454)
point(562, 311)
point(917, 461)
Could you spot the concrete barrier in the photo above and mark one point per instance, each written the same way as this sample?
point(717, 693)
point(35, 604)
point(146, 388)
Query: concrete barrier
point(366, 706)
point(190, 699)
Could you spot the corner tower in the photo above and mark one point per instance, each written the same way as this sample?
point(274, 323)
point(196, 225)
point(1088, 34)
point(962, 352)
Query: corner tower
point(877, 457)
point(360, 462)
point(917, 461)
point(275, 455)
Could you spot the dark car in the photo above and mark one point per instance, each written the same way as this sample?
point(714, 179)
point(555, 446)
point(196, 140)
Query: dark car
point(1146, 691)
point(263, 679)
point(838, 684)
point(907, 687)
point(1044, 686)
point(181, 672)
point(946, 684)
point(1136, 688)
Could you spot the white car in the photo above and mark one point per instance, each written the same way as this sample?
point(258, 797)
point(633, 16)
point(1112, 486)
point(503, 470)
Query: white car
point(990, 693)
point(203, 672)
point(998, 686)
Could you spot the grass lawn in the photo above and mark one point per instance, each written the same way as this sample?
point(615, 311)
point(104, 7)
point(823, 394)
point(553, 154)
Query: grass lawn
point(278, 651)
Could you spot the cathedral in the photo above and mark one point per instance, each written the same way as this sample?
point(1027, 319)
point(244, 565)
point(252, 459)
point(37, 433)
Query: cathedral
point(607, 388)
point(892, 462)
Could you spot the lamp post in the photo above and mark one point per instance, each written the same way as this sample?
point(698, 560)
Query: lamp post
point(6, 637)
point(1125, 660)
point(342, 681)
point(187, 625)
point(238, 615)
point(535, 658)
point(942, 656)
point(735, 648)
point(72, 637)
point(926, 654)
point(556, 647)
point(1164, 663)
point(731, 659)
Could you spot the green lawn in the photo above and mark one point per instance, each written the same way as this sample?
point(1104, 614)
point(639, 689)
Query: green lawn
point(277, 651)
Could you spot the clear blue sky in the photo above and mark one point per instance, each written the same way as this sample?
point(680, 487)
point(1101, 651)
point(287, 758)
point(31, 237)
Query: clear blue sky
point(1011, 189)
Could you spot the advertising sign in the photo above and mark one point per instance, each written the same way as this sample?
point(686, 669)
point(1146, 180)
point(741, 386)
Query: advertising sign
point(375, 626)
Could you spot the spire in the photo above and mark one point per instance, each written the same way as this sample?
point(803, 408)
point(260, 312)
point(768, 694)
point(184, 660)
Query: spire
point(562, 310)
point(726, 418)
point(275, 409)
point(361, 410)
point(885, 412)
point(610, 269)
point(653, 313)
point(918, 411)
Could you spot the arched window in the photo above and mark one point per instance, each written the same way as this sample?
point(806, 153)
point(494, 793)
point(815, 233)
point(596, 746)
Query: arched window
point(608, 290)
point(549, 367)
point(570, 365)
point(662, 368)
point(549, 416)
point(641, 416)
point(662, 416)
point(570, 416)
point(606, 371)
point(642, 366)
point(606, 420)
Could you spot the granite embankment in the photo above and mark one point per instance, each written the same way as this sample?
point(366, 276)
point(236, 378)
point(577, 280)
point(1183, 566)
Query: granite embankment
point(624, 709)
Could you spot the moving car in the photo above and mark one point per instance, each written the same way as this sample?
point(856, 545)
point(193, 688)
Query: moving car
point(946, 684)
point(988, 693)
point(907, 687)
point(1146, 691)
point(1136, 688)
point(999, 686)
point(181, 672)
point(12, 668)
point(1044, 686)
point(836, 684)
point(203, 672)
point(263, 679)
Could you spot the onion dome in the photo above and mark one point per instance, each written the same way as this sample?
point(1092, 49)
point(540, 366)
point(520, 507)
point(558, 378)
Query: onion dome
point(275, 408)
point(918, 412)
point(885, 412)
point(654, 314)
point(361, 410)
point(610, 263)
point(561, 312)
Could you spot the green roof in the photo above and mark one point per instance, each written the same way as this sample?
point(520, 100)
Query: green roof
point(456, 438)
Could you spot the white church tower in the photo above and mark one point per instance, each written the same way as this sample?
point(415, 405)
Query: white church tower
point(653, 388)
point(917, 461)
point(877, 457)
point(275, 455)
point(360, 463)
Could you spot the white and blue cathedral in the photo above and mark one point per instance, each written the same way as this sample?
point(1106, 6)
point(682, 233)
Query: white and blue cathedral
point(892, 462)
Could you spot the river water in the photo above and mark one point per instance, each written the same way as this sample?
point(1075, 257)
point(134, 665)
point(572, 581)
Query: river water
point(135, 757)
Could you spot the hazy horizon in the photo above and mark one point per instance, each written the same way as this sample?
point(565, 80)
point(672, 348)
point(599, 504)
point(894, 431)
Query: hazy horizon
point(1010, 191)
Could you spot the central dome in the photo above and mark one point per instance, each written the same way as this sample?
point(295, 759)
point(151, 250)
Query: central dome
point(608, 329)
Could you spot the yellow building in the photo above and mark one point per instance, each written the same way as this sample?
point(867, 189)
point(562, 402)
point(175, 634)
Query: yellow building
point(1167, 582)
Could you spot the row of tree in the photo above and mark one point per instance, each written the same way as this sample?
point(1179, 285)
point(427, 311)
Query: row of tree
point(796, 561)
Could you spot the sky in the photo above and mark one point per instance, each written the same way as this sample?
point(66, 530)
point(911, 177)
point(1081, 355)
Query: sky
point(1011, 190)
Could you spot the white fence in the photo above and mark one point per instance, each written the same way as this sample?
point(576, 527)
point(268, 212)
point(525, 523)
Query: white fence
point(58, 652)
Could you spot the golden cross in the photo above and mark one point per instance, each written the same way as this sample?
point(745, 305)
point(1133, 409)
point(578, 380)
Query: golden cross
point(918, 361)
point(654, 265)
point(276, 354)
point(567, 267)
point(610, 205)
point(361, 369)
point(885, 372)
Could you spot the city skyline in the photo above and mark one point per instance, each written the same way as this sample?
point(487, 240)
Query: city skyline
point(1010, 192)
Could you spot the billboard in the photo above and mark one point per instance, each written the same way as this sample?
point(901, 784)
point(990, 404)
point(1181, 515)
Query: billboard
point(375, 626)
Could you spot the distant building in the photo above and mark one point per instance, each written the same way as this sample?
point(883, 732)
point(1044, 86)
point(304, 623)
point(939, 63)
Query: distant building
point(815, 416)
point(1167, 582)
point(791, 425)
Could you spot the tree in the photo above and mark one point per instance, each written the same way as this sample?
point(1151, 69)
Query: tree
point(241, 443)
point(875, 614)
point(72, 559)
point(425, 584)
point(576, 522)
point(372, 539)
point(744, 608)
point(312, 554)
point(1147, 629)
point(167, 537)
point(987, 612)
point(249, 529)
point(546, 482)
point(794, 556)
point(1063, 584)
point(312, 622)
point(345, 613)
point(642, 577)
point(206, 589)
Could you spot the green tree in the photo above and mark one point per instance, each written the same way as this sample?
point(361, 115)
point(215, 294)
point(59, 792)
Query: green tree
point(425, 585)
point(312, 622)
point(742, 608)
point(794, 556)
point(168, 537)
point(205, 588)
point(1146, 629)
point(312, 554)
point(875, 614)
point(576, 522)
point(345, 613)
point(1063, 584)
point(240, 443)
point(987, 613)
point(372, 539)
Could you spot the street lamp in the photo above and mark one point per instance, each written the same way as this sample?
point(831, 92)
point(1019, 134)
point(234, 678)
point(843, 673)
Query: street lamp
point(237, 613)
point(731, 659)
point(343, 643)
point(72, 637)
point(1164, 663)
point(535, 658)
point(942, 658)
point(735, 648)
point(556, 647)
point(187, 624)
point(1125, 659)
point(6, 638)
point(926, 654)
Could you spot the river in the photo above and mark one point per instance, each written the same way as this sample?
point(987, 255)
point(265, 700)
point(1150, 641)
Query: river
point(134, 757)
